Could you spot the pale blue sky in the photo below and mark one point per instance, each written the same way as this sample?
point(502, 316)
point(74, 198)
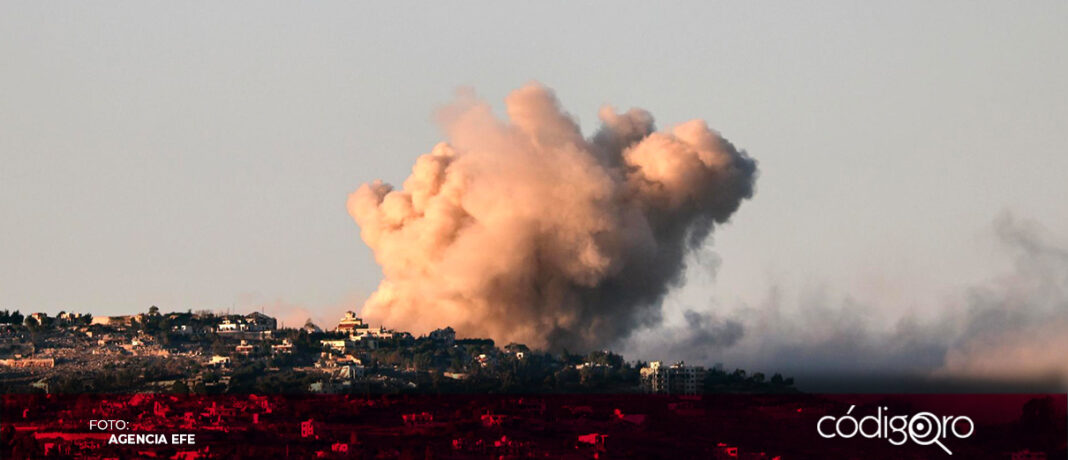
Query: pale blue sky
point(199, 154)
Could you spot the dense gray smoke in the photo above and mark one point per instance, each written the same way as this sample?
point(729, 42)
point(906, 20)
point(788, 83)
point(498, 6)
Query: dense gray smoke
point(523, 230)
point(1017, 325)
point(1012, 327)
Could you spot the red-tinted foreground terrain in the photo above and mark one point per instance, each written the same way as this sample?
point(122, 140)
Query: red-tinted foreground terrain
point(533, 426)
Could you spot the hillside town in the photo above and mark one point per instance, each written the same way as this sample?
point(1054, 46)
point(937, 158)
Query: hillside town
point(241, 386)
point(221, 353)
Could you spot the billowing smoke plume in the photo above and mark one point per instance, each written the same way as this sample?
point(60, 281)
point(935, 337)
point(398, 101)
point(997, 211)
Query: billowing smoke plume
point(523, 230)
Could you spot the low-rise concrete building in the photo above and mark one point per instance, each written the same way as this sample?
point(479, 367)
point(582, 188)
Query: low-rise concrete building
point(351, 323)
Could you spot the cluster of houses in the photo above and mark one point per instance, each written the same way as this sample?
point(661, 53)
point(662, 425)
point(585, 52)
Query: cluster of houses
point(223, 324)
point(359, 334)
point(218, 340)
point(145, 334)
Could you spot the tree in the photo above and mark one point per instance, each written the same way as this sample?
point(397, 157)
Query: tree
point(219, 347)
point(180, 388)
point(605, 358)
point(151, 323)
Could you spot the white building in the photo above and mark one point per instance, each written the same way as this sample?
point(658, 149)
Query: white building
point(675, 379)
point(230, 326)
point(351, 323)
point(337, 345)
point(259, 322)
point(285, 347)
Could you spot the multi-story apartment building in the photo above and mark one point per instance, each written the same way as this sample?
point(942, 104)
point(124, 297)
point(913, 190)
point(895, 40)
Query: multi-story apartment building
point(677, 378)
